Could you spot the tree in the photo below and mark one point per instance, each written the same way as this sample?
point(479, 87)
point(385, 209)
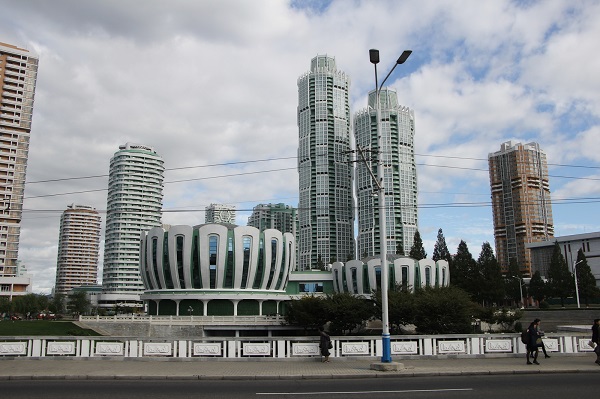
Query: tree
point(26, 304)
point(320, 263)
point(443, 310)
point(5, 305)
point(401, 307)
point(489, 278)
point(513, 281)
point(417, 251)
point(399, 248)
point(586, 282)
point(440, 249)
point(57, 305)
point(78, 303)
point(462, 268)
point(560, 279)
point(307, 312)
point(346, 312)
point(537, 287)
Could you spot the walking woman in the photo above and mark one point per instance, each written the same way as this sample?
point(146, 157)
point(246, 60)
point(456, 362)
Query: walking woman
point(324, 345)
point(532, 348)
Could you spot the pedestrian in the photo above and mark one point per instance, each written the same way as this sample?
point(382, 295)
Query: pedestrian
point(540, 341)
point(324, 345)
point(532, 345)
point(596, 340)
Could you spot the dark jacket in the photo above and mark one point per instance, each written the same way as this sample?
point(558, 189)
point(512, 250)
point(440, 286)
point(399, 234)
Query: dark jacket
point(324, 343)
point(595, 333)
point(533, 336)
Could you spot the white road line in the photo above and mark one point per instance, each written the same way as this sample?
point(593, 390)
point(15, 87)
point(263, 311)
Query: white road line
point(365, 392)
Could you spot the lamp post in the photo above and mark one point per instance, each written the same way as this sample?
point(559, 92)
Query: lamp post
point(385, 333)
point(576, 285)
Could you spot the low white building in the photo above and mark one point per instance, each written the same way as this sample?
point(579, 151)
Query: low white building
point(541, 252)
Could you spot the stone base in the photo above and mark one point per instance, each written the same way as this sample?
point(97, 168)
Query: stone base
point(391, 366)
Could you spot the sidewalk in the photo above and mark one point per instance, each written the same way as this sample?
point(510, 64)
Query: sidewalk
point(251, 369)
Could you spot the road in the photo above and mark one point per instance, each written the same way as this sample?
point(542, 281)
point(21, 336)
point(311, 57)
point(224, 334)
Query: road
point(554, 386)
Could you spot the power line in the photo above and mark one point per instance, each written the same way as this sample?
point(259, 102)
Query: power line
point(560, 201)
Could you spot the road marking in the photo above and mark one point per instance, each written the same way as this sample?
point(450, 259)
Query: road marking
point(365, 392)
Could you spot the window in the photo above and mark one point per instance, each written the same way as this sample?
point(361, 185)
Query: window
point(179, 259)
point(213, 245)
point(310, 287)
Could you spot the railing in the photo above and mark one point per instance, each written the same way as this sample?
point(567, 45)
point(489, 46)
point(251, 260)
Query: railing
point(183, 320)
point(403, 346)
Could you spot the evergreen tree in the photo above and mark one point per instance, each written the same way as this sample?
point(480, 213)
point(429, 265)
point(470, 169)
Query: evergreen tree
point(440, 249)
point(513, 282)
point(462, 268)
point(399, 248)
point(560, 279)
point(489, 276)
point(586, 282)
point(417, 251)
point(537, 287)
point(320, 263)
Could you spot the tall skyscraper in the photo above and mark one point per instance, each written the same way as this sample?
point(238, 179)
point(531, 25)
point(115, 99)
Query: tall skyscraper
point(78, 248)
point(134, 204)
point(219, 213)
point(274, 216)
point(521, 204)
point(400, 175)
point(18, 73)
point(326, 205)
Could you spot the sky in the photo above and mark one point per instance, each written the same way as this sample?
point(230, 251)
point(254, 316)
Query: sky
point(212, 86)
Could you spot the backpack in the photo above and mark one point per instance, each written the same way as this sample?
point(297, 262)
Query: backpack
point(525, 337)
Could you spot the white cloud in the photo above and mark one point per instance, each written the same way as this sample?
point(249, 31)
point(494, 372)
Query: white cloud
point(214, 82)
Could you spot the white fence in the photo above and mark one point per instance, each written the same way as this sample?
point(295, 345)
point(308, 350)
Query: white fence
point(405, 346)
point(189, 320)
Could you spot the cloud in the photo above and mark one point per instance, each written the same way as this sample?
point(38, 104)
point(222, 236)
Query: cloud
point(215, 82)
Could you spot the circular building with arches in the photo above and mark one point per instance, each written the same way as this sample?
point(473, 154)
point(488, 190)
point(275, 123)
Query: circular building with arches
point(364, 277)
point(216, 269)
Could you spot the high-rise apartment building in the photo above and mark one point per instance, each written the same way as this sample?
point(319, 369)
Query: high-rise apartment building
point(219, 213)
point(78, 248)
point(18, 73)
point(326, 205)
point(281, 217)
point(521, 204)
point(134, 204)
point(400, 175)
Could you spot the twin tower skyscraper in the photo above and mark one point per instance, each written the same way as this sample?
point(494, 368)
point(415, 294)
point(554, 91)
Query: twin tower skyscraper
point(327, 169)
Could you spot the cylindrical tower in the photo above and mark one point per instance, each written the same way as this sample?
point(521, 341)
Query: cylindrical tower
point(134, 204)
point(78, 248)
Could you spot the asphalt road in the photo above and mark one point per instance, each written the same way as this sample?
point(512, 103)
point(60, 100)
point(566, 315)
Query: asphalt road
point(547, 386)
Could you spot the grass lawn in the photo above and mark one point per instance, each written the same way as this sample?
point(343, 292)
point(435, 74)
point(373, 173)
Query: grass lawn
point(24, 328)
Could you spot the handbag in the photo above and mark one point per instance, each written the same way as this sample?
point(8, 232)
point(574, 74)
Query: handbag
point(592, 344)
point(330, 345)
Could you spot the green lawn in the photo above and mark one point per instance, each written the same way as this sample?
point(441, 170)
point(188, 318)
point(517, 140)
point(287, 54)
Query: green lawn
point(26, 328)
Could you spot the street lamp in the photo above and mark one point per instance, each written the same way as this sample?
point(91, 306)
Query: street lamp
point(385, 333)
point(576, 285)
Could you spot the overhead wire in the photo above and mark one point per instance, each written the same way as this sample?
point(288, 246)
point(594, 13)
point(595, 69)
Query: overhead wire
point(425, 206)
